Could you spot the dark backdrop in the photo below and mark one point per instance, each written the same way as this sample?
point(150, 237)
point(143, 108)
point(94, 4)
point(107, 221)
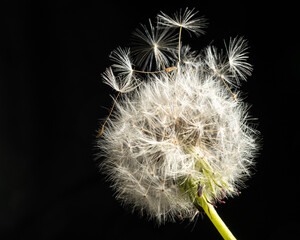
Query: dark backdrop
point(52, 100)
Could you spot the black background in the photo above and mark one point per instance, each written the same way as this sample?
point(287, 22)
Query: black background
point(52, 101)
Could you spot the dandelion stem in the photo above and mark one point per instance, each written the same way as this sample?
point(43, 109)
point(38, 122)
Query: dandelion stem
point(215, 218)
point(190, 187)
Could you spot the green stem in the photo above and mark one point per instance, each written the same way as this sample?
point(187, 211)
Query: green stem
point(191, 188)
point(215, 218)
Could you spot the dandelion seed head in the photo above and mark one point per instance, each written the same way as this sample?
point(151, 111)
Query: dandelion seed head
point(182, 123)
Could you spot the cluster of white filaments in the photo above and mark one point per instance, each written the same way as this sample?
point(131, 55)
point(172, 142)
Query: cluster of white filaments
point(178, 119)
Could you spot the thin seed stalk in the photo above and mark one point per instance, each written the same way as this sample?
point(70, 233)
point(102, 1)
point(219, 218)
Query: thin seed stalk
point(179, 45)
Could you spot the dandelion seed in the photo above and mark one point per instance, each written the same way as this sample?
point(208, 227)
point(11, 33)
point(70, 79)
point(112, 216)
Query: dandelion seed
point(152, 45)
point(122, 64)
point(185, 20)
point(237, 57)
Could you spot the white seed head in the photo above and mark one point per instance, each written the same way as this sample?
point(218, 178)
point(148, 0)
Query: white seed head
point(180, 124)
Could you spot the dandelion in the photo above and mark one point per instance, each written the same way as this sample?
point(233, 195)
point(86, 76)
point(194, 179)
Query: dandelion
point(178, 140)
